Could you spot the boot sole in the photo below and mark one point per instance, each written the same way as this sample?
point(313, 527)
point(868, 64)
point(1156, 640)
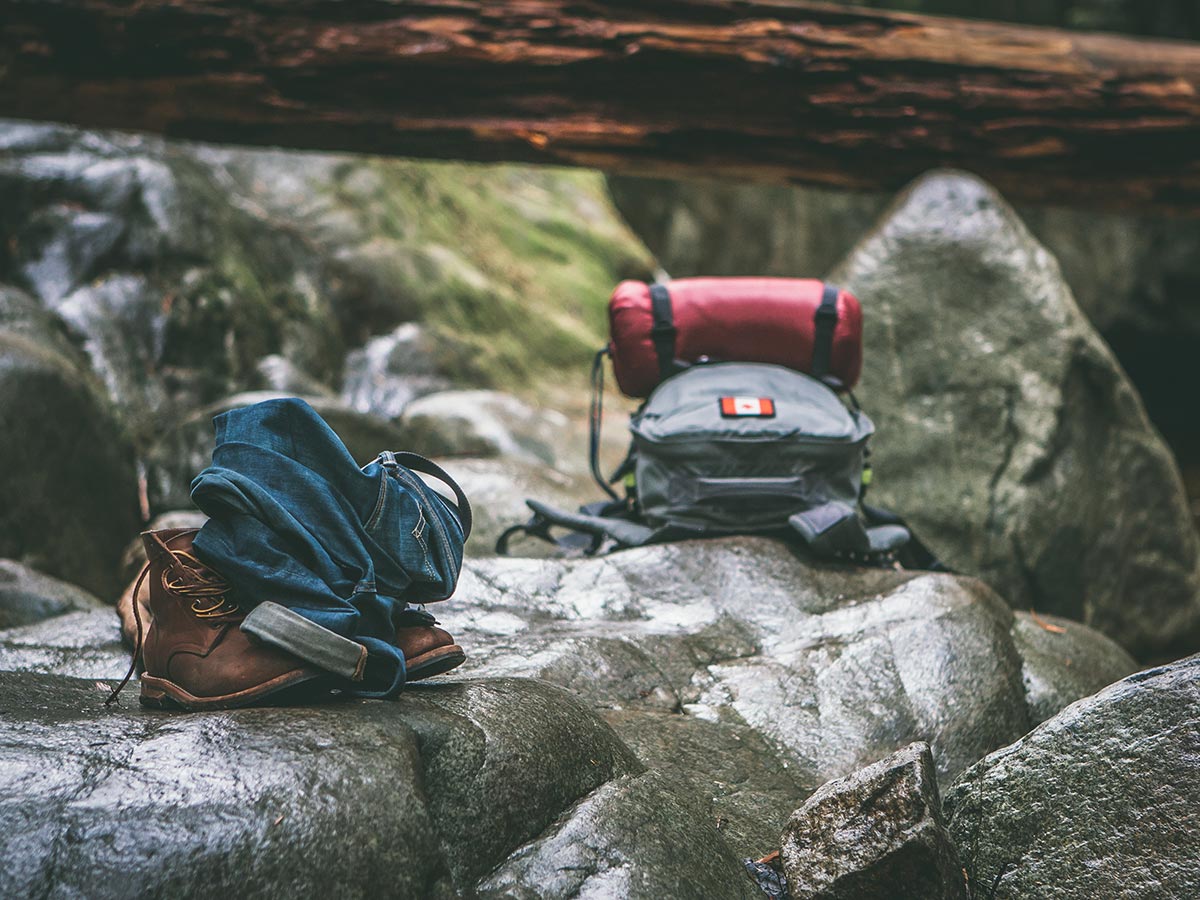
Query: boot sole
point(435, 662)
point(158, 693)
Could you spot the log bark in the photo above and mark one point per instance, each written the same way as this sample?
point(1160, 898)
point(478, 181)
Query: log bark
point(763, 89)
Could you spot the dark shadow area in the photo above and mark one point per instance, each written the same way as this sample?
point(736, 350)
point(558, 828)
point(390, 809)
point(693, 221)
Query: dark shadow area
point(1166, 370)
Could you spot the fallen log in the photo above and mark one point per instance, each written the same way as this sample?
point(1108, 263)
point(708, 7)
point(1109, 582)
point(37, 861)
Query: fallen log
point(763, 89)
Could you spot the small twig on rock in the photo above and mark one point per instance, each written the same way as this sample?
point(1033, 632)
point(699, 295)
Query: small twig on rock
point(1049, 626)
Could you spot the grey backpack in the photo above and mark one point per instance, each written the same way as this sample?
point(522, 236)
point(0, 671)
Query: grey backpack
point(737, 448)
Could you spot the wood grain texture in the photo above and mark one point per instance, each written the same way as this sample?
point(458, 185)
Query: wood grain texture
point(763, 89)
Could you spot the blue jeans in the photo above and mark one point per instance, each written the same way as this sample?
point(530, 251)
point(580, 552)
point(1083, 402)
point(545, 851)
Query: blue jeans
point(293, 519)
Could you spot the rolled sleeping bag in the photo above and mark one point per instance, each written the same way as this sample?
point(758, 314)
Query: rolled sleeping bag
point(801, 323)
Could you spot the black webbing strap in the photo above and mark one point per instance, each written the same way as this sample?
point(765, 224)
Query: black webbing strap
point(595, 420)
point(914, 554)
point(593, 525)
point(662, 334)
point(825, 320)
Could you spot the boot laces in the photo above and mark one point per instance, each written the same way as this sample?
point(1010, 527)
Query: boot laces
point(210, 590)
point(191, 578)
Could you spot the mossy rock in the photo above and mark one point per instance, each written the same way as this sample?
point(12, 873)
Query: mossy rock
point(68, 495)
point(515, 264)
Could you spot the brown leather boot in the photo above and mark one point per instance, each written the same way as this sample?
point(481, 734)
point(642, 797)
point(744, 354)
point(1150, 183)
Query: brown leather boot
point(428, 651)
point(194, 653)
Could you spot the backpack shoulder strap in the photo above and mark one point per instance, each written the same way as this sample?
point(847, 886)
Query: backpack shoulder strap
point(831, 529)
point(596, 420)
point(837, 529)
point(593, 528)
point(418, 463)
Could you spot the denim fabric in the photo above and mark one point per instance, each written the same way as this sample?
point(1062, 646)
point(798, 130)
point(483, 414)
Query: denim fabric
point(295, 520)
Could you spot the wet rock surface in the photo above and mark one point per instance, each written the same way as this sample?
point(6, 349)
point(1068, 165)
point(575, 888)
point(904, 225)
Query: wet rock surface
point(278, 373)
point(835, 666)
point(634, 837)
point(747, 785)
point(79, 645)
point(1062, 661)
point(738, 666)
point(1009, 437)
point(425, 795)
point(172, 288)
point(1099, 801)
point(28, 596)
point(877, 834)
point(729, 679)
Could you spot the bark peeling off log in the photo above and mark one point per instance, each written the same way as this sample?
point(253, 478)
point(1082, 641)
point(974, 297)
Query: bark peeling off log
point(760, 88)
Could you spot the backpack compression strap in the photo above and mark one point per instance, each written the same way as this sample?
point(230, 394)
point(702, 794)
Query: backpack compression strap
point(662, 335)
point(825, 322)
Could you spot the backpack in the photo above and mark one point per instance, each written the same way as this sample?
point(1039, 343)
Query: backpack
point(722, 448)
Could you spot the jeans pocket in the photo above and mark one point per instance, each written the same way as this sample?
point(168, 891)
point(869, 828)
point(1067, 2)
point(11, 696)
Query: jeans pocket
point(420, 533)
point(373, 520)
point(401, 526)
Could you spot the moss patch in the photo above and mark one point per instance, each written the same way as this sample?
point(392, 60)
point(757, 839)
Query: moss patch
point(514, 263)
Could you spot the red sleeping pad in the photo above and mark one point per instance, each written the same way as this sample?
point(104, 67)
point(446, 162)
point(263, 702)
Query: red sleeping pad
point(801, 323)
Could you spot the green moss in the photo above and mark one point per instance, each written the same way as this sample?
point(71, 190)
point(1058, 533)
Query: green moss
point(515, 263)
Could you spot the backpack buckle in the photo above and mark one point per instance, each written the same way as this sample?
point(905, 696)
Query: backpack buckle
point(662, 330)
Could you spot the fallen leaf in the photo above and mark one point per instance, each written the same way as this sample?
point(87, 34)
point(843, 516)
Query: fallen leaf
point(1049, 626)
point(277, 821)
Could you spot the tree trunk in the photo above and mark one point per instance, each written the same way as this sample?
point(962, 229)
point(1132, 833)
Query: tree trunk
point(763, 89)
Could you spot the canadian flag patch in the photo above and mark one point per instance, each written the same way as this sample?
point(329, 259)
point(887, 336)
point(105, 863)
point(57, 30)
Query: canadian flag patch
point(758, 407)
